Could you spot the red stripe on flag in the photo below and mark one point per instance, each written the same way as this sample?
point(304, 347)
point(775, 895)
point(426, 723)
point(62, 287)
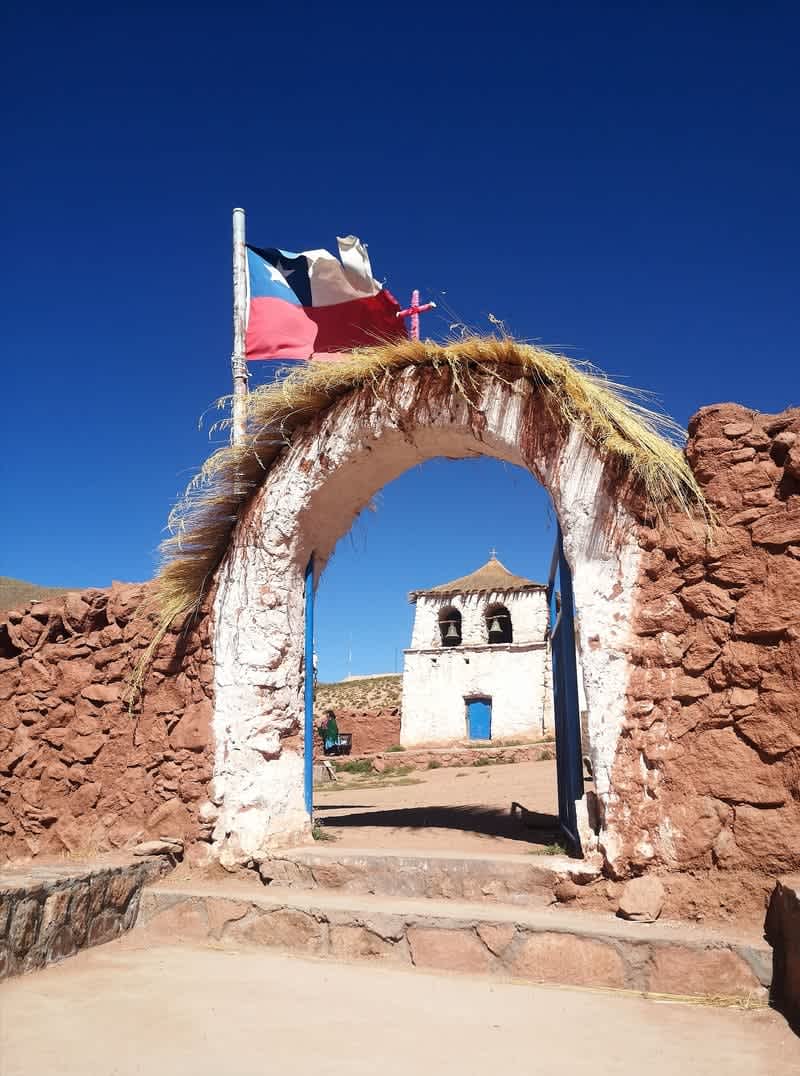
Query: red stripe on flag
point(278, 330)
point(357, 323)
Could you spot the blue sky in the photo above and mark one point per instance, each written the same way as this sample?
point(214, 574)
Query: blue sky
point(616, 180)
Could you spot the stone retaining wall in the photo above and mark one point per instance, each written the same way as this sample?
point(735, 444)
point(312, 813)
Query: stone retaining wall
point(79, 772)
point(48, 913)
point(708, 765)
point(433, 757)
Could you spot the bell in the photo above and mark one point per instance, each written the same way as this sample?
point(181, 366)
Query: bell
point(494, 627)
point(452, 631)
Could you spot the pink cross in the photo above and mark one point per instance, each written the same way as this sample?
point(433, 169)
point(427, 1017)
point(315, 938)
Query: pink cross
point(414, 312)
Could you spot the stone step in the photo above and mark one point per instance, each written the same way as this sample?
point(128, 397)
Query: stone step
point(550, 945)
point(512, 879)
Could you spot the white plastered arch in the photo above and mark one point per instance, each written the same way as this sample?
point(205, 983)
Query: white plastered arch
point(308, 501)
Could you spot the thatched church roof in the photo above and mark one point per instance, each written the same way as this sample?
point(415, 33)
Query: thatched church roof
point(492, 577)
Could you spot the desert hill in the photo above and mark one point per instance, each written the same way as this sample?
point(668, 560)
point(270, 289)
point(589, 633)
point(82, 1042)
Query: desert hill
point(370, 694)
point(17, 592)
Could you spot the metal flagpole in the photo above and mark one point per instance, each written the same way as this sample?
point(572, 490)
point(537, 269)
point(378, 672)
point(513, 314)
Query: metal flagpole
point(238, 361)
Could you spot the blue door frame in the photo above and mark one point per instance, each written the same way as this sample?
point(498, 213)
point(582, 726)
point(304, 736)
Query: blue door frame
point(566, 707)
point(308, 698)
point(479, 718)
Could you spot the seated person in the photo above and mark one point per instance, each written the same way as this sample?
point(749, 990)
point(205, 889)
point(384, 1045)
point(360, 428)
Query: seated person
point(330, 730)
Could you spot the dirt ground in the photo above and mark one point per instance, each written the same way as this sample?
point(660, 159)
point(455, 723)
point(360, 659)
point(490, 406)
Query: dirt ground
point(468, 810)
point(456, 810)
point(200, 1012)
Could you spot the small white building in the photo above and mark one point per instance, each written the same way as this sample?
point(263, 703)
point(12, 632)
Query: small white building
point(479, 662)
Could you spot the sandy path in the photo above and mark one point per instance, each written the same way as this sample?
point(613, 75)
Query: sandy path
point(466, 809)
point(206, 1013)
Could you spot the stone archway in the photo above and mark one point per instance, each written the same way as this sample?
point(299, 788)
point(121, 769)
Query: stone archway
point(307, 502)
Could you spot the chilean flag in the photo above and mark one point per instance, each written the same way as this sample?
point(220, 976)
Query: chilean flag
point(302, 304)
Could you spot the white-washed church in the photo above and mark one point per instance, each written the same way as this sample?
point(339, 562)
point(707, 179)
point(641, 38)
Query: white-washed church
point(478, 667)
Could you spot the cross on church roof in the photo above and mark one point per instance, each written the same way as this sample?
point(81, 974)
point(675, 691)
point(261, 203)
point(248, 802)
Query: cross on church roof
point(493, 553)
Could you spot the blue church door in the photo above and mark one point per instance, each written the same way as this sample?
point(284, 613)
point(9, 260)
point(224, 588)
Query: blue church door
point(479, 719)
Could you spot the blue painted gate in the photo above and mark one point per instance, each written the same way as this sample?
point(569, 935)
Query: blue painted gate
point(569, 761)
point(308, 723)
point(479, 719)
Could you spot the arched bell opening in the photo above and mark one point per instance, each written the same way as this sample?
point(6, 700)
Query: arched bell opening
point(499, 628)
point(450, 626)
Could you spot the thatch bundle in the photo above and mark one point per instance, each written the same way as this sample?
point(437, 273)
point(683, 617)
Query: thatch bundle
point(644, 443)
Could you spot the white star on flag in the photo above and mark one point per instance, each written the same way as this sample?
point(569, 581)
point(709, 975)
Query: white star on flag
point(276, 276)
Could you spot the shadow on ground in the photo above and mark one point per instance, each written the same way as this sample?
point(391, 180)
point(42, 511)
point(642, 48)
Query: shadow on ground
point(529, 826)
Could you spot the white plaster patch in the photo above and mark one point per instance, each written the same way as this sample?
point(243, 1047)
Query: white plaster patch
point(603, 553)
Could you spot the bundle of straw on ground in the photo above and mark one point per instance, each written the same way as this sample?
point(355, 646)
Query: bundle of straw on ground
point(645, 444)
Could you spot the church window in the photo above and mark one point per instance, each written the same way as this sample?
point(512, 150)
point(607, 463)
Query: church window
point(450, 626)
point(498, 624)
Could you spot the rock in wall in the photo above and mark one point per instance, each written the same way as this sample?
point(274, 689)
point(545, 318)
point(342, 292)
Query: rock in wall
point(708, 768)
point(79, 772)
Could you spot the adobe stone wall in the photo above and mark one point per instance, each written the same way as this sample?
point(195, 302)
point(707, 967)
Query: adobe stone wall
point(705, 774)
point(79, 773)
point(708, 763)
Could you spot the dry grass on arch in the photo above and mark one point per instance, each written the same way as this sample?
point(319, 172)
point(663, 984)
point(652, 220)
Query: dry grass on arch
point(644, 443)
